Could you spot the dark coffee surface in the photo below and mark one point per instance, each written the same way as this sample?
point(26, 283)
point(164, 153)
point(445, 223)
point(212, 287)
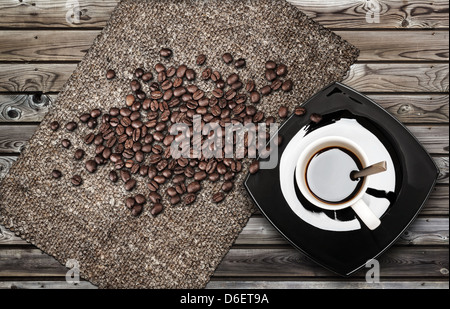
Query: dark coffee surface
point(84, 217)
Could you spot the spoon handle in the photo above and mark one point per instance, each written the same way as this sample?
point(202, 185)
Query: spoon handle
point(371, 170)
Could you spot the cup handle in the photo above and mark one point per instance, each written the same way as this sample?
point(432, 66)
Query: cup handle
point(366, 215)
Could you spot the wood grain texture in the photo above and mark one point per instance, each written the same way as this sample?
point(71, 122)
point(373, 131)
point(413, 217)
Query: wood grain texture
point(46, 285)
point(396, 77)
point(259, 285)
point(393, 14)
point(415, 108)
point(41, 45)
point(424, 231)
point(55, 13)
point(13, 139)
point(408, 109)
point(376, 77)
point(333, 14)
point(5, 164)
point(24, 108)
point(61, 45)
point(400, 262)
point(305, 284)
point(396, 262)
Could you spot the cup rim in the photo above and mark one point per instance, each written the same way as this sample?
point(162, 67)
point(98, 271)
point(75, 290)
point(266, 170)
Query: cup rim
point(304, 159)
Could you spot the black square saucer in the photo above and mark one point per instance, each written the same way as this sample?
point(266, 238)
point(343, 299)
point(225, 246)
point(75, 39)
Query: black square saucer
point(337, 240)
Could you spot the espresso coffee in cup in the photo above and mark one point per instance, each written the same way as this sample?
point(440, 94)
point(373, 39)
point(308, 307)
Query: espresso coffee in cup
point(328, 175)
point(324, 177)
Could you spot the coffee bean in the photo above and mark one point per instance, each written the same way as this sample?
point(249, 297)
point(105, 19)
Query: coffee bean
point(91, 166)
point(137, 210)
point(254, 167)
point(271, 75)
point(92, 124)
point(266, 90)
point(189, 198)
point(227, 186)
point(240, 63)
point(79, 154)
point(218, 197)
point(95, 113)
point(283, 112)
point(140, 199)
point(229, 176)
point(175, 199)
point(147, 77)
point(139, 72)
point(227, 58)
point(271, 65)
point(135, 85)
point(287, 85)
point(153, 186)
point(316, 118)
point(154, 197)
point(110, 74)
point(77, 180)
point(165, 52)
point(130, 184)
point(178, 179)
point(255, 97)
point(276, 85)
point(130, 202)
point(190, 74)
point(300, 111)
point(282, 70)
point(221, 168)
point(66, 143)
point(200, 176)
point(56, 174)
point(250, 86)
point(113, 176)
point(258, 117)
point(206, 74)
point(157, 209)
point(214, 177)
point(233, 78)
point(71, 126)
point(85, 118)
point(194, 187)
point(172, 192)
point(201, 59)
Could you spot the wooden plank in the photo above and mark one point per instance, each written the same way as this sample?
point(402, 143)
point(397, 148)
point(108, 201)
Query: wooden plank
point(55, 13)
point(26, 77)
point(408, 109)
point(398, 45)
point(63, 45)
point(260, 285)
point(397, 262)
point(46, 285)
point(415, 108)
point(5, 164)
point(423, 231)
point(59, 45)
point(24, 107)
point(401, 262)
point(258, 231)
point(376, 77)
point(437, 204)
point(308, 284)
point(393, 14)
point(395, 77)
point(13, 139)
point(334, 13)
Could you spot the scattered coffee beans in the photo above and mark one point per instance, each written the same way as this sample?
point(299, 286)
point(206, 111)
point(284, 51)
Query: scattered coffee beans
point(56, 174)
point(135, 138)
point(316, 118)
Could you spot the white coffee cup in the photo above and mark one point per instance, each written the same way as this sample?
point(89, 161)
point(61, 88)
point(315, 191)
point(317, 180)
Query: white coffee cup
point(355, 201)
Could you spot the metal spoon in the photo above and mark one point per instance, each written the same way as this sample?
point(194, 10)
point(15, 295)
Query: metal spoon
point(371, 170)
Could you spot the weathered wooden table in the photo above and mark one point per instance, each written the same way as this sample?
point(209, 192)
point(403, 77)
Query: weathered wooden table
point(403, 66)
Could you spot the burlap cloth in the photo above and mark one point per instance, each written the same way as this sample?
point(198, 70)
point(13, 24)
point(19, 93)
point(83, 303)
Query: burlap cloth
point(182, 247)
